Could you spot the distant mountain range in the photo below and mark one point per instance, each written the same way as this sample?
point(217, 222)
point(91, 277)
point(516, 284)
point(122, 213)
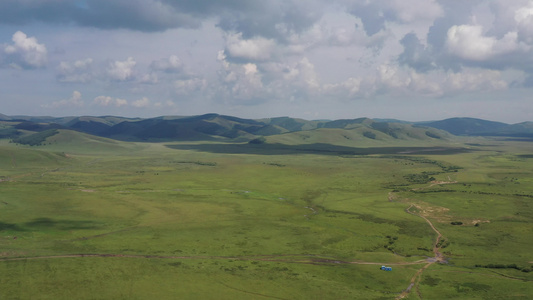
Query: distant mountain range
point(216, 127)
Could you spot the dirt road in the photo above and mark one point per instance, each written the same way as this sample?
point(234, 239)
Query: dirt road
point(438, 257)
point(436, 250)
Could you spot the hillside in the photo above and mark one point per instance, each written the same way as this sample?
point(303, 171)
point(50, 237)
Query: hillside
point(221, 127)
point(95, 125)
point(291, 124)
point(466, 126)
point(524, 129)
point(204, 127)
point(367, 133)
point(78, 142)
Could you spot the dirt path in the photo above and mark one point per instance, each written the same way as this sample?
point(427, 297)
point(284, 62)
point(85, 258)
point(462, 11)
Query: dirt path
point(438, 257)
point(288, 258)
point(436, 250)
point(416, 262)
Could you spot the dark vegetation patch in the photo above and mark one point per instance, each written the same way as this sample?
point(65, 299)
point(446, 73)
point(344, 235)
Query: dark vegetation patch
point(61, 224)
point(445, 167)
point(199, 163)
point(424, 177)
point(8, 226)
point(258, 141)
point(288, 123)
point(369, 135)
point(176, 264)
point(431, 281)
point(318, 148)
point(275, 164)
point(443, 243)
point(391, 240)
point(9, 132)
point(31, 126)
point(470, 192)
point(434, 191)
point(36, 139)
point(418, 178)
point(433, 135)
point(472, 286)
point(506, 266)
point(387, 129)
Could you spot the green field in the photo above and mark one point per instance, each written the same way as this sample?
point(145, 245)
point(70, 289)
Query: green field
point(92, 218)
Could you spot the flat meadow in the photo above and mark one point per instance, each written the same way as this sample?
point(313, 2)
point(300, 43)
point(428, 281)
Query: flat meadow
point(205, 220)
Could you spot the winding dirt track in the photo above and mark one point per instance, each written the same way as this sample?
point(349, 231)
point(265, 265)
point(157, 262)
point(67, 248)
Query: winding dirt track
point(300, 259)
point(436, 250)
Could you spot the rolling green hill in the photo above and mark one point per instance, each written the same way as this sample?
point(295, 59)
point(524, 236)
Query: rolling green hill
point(361, 135)
point(524, 129)
point(95, 125)
point(466, 126)
point(220, 127)
point(70, 141)
point(205, 127)
point(292, 124)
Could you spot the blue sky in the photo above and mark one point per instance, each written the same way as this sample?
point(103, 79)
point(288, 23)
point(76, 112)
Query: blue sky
point(314, 59)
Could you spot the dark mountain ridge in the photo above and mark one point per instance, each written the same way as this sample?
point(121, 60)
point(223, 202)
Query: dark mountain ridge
point(214, 126)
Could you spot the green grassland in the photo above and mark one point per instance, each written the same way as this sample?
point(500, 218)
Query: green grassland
point(92, 218)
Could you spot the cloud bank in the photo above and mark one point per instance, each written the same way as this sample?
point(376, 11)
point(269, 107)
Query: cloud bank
point(177, 56)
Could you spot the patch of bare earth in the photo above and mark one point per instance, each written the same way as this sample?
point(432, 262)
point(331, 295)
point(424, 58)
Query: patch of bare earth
point(437, 213)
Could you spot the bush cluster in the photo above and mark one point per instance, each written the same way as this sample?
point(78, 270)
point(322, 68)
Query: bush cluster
point(508, 266)
point(419, 178)
point(35, 139)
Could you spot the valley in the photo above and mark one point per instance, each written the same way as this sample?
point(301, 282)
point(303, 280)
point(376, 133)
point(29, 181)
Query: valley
point(305, 212)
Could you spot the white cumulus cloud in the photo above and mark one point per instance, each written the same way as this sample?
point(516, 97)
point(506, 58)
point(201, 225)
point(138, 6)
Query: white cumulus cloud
point(77, 71)
point(173, 64)
point(252, 49)
point(109, 101)
point(409, 11)
point(26, 52)
point(143, 102)
point(74, 101)
point(395, 81)
point(472, 80)
point(122, 70)
point(469, 42)
point(187, 86)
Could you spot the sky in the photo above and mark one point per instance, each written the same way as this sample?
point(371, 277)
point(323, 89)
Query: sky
point(414, 60)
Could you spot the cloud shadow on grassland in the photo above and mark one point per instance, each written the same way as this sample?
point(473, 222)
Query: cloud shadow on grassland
point(319, 148)
point(8, 226)
point(47, 223)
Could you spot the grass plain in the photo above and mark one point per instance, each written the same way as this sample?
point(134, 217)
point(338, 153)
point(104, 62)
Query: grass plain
point(101, 219)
